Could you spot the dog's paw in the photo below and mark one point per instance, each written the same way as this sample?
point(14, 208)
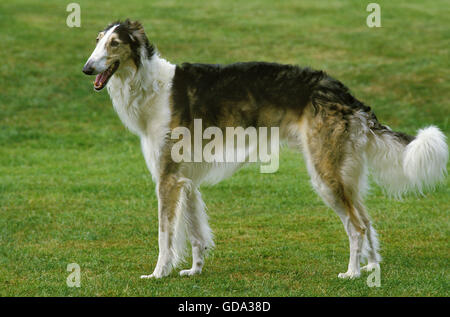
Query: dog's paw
point(156, 274)
point(149, 276)
point(159, 272)
point(349, 275)
point(370, 267)
point(190, 272)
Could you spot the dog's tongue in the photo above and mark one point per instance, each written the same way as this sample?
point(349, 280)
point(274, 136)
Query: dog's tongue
point(99, 79)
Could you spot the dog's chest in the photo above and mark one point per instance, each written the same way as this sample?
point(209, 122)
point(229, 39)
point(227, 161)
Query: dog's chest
point(148, 116)
point(128, 106)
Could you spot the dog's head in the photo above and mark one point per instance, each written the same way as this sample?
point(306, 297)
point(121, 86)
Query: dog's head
point(119, 44)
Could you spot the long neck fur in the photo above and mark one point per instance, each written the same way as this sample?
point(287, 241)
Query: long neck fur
point(141, 98)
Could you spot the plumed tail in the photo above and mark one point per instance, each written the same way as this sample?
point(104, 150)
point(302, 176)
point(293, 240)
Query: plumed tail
point(403, 163)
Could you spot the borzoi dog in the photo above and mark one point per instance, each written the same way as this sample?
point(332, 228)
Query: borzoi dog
point(338, 135)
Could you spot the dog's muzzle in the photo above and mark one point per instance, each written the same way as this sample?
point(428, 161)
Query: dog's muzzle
point(88, 69)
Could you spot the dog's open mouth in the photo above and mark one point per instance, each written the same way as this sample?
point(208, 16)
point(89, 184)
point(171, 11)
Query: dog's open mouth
point(102, 79)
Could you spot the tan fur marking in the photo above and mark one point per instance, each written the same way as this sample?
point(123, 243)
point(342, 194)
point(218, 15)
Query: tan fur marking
point(327, 138)
point(122, 52)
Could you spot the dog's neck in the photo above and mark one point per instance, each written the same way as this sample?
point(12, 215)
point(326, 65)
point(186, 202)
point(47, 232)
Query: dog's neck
point(140, 95)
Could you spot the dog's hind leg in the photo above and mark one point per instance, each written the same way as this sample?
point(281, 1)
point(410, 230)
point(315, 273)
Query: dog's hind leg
point(198, 230)
point(334, 195)
point(354, 177)
point(335, 166)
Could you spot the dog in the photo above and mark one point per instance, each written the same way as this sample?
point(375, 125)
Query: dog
point(340, 137)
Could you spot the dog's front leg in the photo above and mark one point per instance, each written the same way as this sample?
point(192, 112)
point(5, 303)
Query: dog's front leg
point(198, 231)
point(169, 238)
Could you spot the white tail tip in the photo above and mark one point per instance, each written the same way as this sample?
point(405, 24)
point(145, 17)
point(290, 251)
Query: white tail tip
point(425, 158)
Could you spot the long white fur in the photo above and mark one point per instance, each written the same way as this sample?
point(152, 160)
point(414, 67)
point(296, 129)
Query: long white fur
point(141, 100)
point(401, 169)
point(425, 158)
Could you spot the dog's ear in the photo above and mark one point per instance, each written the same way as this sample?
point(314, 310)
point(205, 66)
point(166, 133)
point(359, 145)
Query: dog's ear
point(136, 31)
point(139, 42)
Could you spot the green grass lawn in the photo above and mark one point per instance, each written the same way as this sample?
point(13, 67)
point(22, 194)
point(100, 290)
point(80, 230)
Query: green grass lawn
point(74, 186)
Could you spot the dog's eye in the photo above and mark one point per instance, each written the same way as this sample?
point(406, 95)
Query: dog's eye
point(96, 40)
point(114, 43)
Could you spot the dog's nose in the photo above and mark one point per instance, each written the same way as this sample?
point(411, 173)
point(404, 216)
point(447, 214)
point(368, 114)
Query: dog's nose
point(87, 69)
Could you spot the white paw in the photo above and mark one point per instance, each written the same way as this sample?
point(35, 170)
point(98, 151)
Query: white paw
point(190, 272)
point(370, 267)
point(155, 274)
point(149, 276)
point(349, 275)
